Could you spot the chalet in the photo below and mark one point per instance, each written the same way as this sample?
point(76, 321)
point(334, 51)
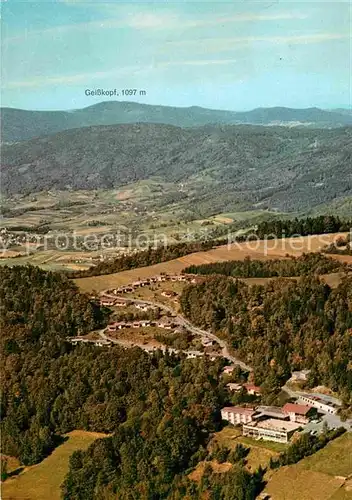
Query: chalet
point(144, 323)
point(121, 325)
point(107, 301)
point(168, 293)
point(137, 284)
point(142, 307)
point(234, 387)
point(299, 413)
point(252, 389)
point(237, 415)
point(227, 370)
point(166, 323)
point(112, 327)
point(299, 376)
point(121, 303)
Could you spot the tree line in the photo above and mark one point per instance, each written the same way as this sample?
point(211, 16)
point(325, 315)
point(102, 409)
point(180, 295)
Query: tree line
point(144, 258)
point(322, 224)
point(342, 246)
point(281, 326)
point(316, 263)
point(267, 229)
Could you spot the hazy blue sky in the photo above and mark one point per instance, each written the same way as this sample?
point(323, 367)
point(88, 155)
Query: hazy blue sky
point(234, 55)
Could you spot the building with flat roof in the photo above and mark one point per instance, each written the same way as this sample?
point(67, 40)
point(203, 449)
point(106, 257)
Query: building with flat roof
point(270, 412)
point(319, 402)
point(237, 415)
point(272, 429)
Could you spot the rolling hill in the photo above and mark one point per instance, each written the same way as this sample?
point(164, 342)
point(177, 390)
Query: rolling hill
point(285, 169)
point(19, 125)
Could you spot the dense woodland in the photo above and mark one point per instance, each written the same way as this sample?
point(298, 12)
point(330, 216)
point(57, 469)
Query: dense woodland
point(282, 326)
point(294, 266)
point(343, 246)
point(284, 228)
point(160, 410)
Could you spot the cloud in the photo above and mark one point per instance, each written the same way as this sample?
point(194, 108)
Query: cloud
point(173, 20)
point(235, 42)
point(87, 78)
point(43, 81)
point(197, 62)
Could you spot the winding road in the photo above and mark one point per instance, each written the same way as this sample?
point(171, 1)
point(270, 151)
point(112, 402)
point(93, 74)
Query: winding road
point(182, 321)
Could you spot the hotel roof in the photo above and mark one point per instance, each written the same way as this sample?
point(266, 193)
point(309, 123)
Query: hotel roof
point(276, 425)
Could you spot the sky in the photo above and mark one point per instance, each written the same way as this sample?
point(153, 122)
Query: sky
point(235, 55)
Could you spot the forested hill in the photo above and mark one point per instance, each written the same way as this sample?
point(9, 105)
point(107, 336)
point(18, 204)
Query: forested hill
point(312, 263)
point(281, 327)
point(277, 168)
point(20, 124)
point(160, 410)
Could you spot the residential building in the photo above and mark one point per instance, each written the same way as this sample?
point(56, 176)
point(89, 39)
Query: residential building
point(169, 293)
point(299, 376)
point(121, 303)
point(107, 301)
point(280, 431)
point(252, 389)
point(234, 387)
point(228, 369)
point(299, 413)
point(237, 415)
point(319, 402)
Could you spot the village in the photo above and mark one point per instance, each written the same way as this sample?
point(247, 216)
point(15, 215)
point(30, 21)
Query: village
point(301, 412)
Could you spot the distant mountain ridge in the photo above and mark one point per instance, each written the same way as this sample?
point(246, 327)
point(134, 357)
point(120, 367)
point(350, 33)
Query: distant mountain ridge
point(211, 167)
point(20, 125)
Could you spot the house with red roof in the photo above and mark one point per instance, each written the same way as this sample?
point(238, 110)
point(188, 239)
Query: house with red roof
point(299, 413)
point(252, 389)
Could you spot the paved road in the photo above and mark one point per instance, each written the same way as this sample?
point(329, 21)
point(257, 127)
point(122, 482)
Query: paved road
point(331, 420)
point(148, 347)
point(181, 320)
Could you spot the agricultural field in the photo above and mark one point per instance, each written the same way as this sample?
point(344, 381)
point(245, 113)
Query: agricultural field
point(42, 481)
point(262, 250)
point(326, 475)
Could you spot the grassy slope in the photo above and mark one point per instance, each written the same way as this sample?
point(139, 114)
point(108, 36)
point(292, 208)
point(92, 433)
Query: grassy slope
point(319, 477)
point(42, 481)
